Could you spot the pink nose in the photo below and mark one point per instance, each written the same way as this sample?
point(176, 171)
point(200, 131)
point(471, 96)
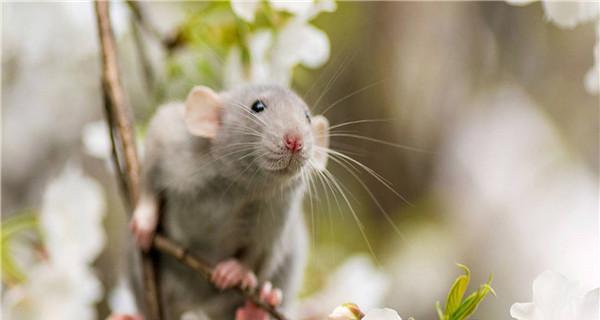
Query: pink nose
point(293, 142)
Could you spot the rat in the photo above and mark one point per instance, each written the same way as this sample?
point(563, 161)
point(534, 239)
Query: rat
point(225, 175)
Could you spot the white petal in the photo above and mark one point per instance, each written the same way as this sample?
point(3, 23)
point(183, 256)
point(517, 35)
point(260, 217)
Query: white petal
point(71, 218)
point(341, 313)
point(96, 139)
point(523, 311)
point(297, 7)
point(258, 45)
point(549, 291)
point(233, 71)
point(567, 14)
point(588, 308)
point(245, 9)
point(382, 314)
point(519, 2)
point(299, 42)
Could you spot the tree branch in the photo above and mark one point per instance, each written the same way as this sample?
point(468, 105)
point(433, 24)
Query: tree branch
point(124, 151)
point(123, 142)
point(180, 253)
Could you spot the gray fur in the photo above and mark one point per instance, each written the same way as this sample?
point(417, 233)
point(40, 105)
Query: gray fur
point(221, 204)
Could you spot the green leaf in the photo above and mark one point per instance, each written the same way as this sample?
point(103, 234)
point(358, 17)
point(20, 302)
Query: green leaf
point(470, 304)
point(441, 315)
point(457, 291)
point(9, 228)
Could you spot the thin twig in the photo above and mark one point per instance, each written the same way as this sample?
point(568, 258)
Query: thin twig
point(114, 105)
point(169, 247)
point(170, 42)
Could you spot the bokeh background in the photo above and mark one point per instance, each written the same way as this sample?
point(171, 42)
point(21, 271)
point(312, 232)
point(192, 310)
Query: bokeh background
point(487, 135)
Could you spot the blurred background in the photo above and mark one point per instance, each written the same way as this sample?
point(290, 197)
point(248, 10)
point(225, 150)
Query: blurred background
point(481, 119)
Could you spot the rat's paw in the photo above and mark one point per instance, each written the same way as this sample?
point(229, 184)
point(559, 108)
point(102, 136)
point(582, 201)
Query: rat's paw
point(230, 273)
point(270, 295)
point(125, 317)
point(142, 233)
point(251, 312)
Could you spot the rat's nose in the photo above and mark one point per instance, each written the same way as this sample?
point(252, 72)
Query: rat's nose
point(293, 142)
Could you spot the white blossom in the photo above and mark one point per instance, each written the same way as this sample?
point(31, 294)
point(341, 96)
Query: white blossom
point(568, 14)
point(592, 83)
point(382, 314)
point(346, 311)
point(96, 139)
point(356, 280)
point(556, 298)
point(71, 218)
point(52, 292)
point(245, 9)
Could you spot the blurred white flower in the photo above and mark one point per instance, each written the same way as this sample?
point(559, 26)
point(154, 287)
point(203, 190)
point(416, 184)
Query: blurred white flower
point(382, 314)
point(568, 14)
point(71, 218)
point(272, 59)
point(245, 9)
point(273, 55)
point(121, 299)
point(557, 298)
point(356, 280)
point(305, 9)
point(52, 292)
point(592, 83)
point(346, 311)
point(96, 139)
point(64, 286)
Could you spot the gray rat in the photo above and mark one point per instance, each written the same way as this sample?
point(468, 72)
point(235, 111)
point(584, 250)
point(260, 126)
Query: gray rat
point(229, 167)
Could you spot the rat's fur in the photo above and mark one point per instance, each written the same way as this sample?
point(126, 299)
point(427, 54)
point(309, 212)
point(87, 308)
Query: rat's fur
point(230, 196)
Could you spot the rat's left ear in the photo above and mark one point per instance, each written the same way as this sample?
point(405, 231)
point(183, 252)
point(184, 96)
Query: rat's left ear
point(202, 112)
point(320, 129)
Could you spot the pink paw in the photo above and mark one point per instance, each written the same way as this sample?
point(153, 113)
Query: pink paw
point(142, 234)
point(251, 312)
point(125, 317)
point(230, 273)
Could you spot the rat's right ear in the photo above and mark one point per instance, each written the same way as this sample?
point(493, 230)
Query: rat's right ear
point(202, 112)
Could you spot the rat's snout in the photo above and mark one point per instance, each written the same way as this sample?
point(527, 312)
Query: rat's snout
point(293, 142)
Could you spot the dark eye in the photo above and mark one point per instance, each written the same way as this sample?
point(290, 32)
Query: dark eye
point(258, 106)
point(307, 116)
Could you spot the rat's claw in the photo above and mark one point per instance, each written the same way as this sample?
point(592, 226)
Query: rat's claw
point(143, 236)
point(272, 296)
point(249, 281)
point(230, 273)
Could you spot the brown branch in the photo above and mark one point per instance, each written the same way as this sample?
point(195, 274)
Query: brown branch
point(124, 150)
point(169, 247)
point(170, 42)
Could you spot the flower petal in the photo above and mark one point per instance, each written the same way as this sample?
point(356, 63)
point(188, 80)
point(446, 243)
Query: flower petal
point(299, 42)
point(588, 308)
point(245, 9)
point(567, 14)
point(296, 7)
point(523, 311)
point(382, 314)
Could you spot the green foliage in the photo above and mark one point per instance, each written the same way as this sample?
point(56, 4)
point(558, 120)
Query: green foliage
point(9, 229)
point(456, 307)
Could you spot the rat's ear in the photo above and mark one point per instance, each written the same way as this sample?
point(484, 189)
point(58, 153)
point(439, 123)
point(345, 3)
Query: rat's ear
point(202, 112)
point(320, 129)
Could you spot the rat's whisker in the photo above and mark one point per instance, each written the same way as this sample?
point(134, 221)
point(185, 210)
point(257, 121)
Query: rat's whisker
point(334, 77)
point(387, 143)
point(343, 124)
point(351, 94)
point(371, 195)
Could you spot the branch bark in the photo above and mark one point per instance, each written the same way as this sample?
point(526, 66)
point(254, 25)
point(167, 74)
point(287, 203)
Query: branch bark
point(128, 168)
point(124, 151)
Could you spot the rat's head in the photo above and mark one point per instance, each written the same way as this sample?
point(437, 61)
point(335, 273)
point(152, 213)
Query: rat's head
point(266, 132)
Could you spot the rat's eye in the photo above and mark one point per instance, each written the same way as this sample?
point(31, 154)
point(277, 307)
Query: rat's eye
point(307, 116)
point(258, 106)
